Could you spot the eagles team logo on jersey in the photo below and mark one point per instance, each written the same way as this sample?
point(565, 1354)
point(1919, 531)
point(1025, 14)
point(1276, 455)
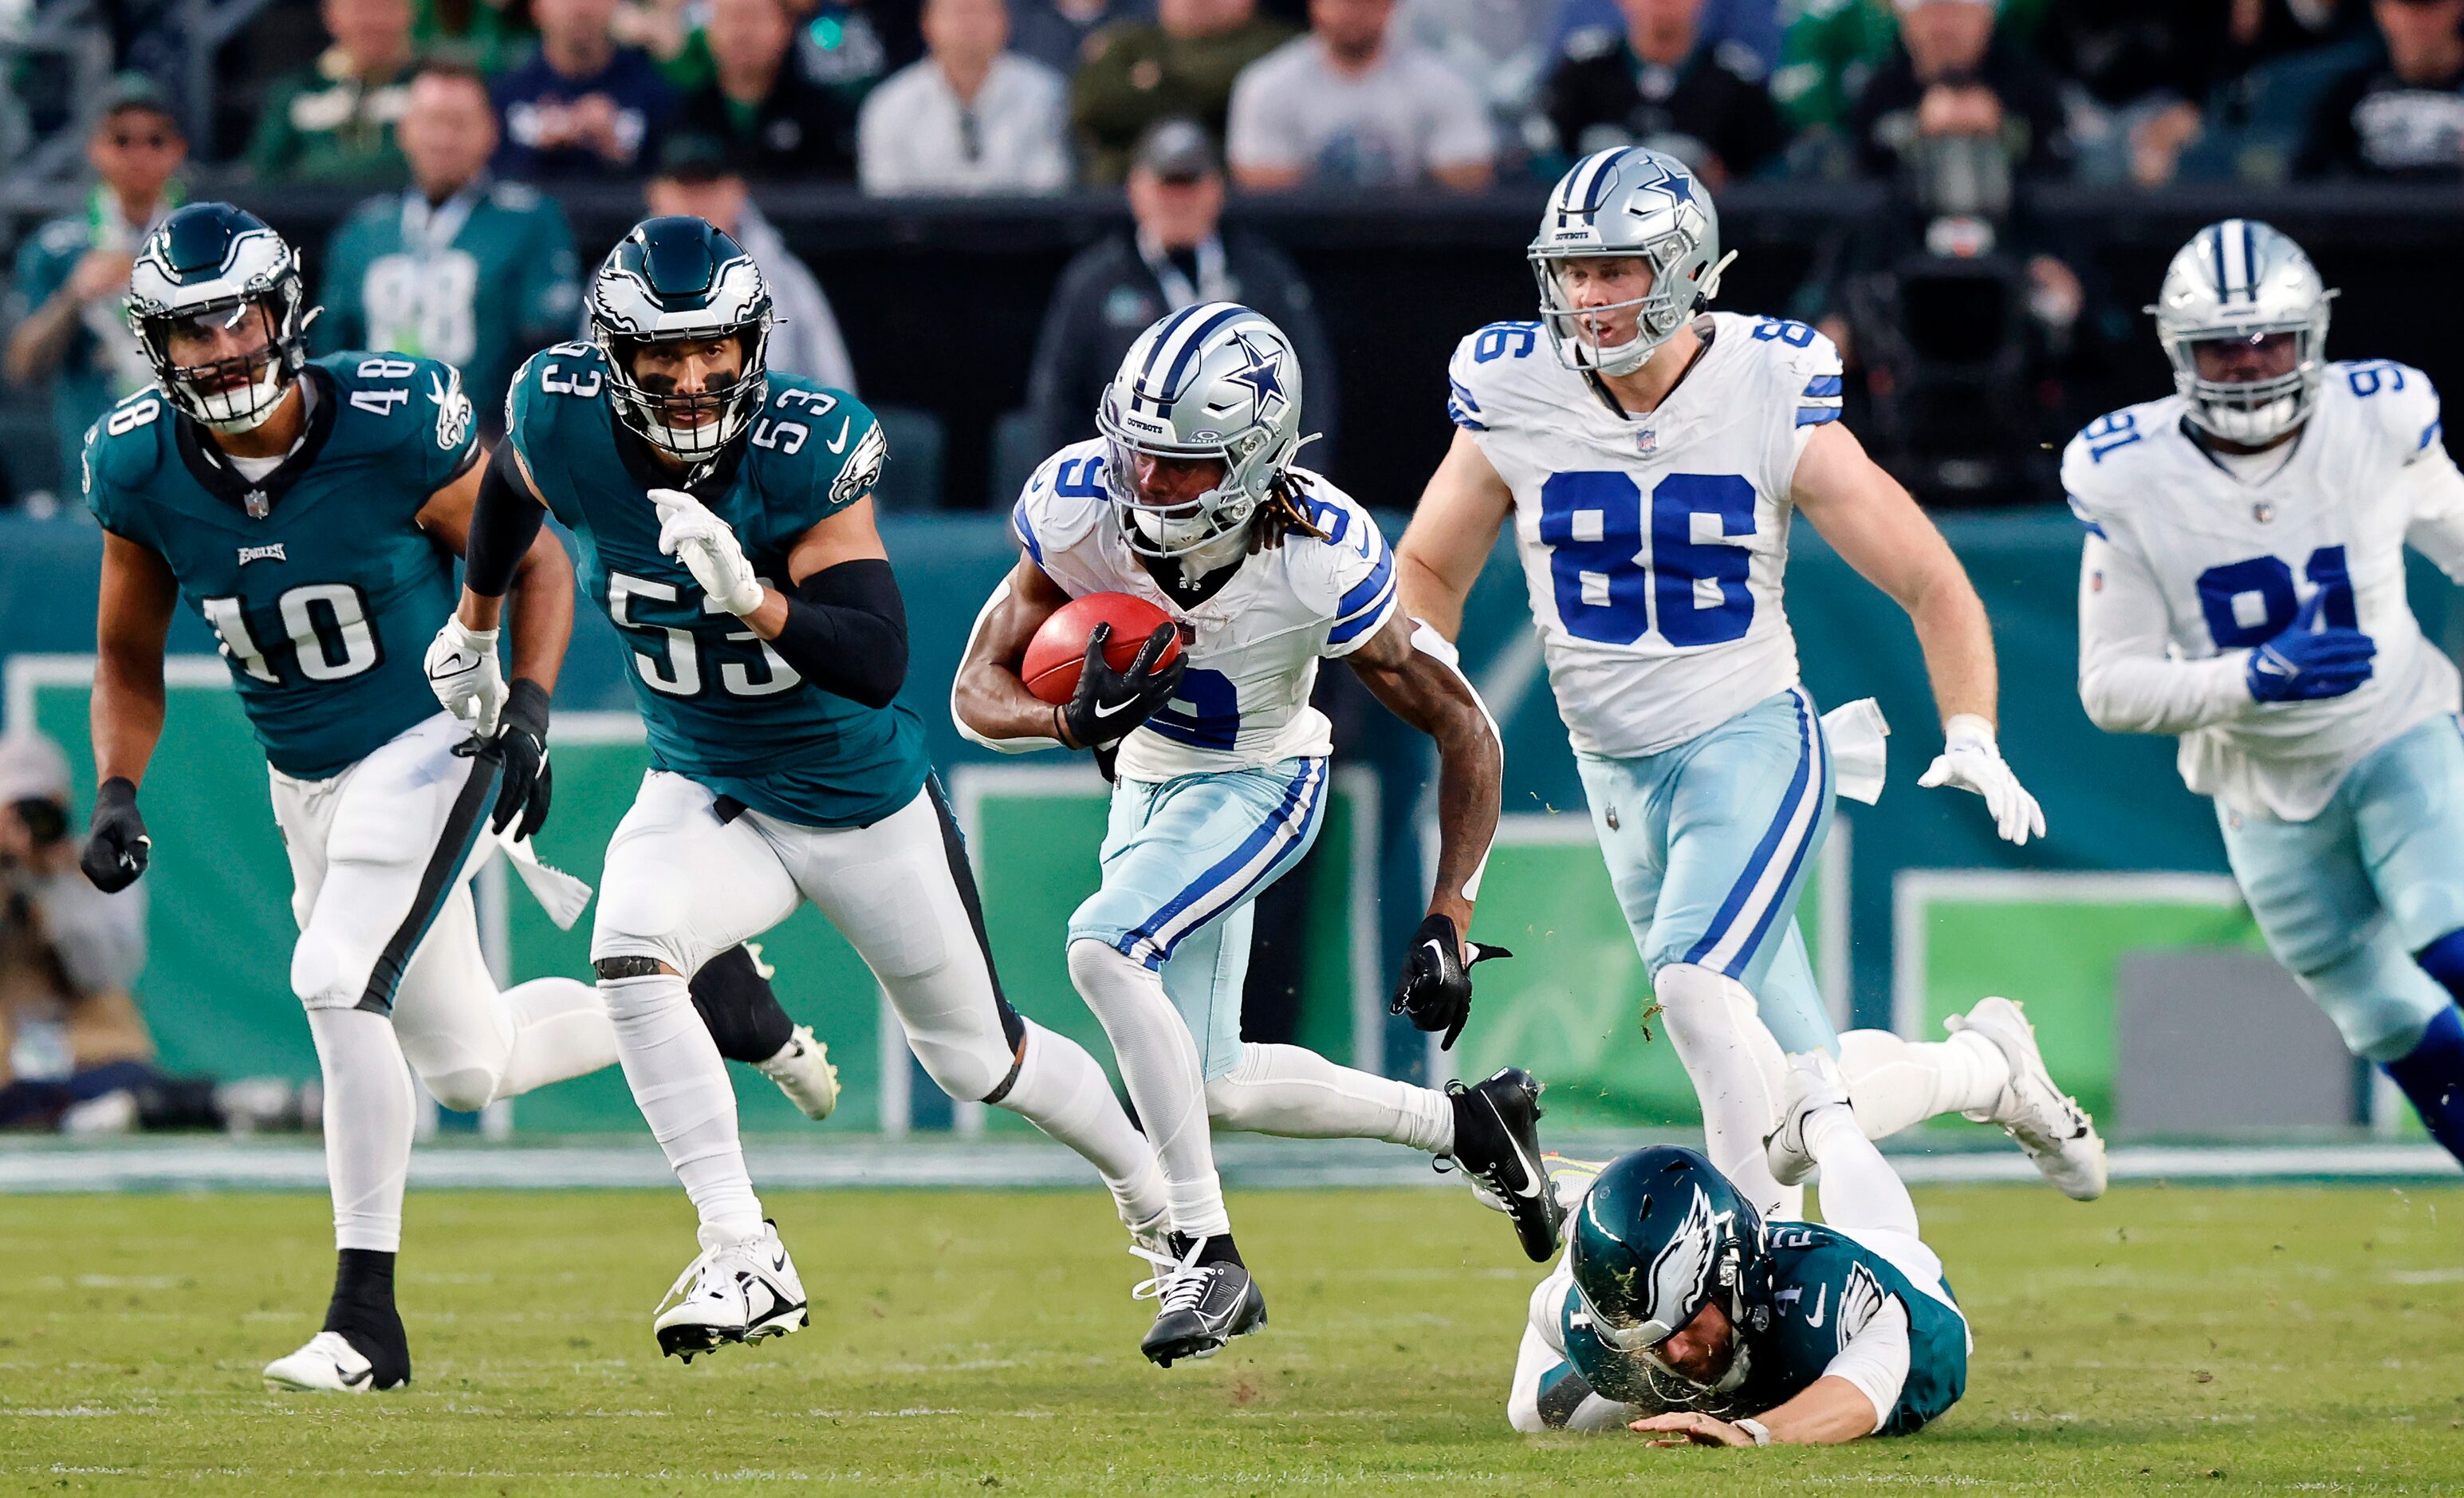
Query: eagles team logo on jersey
point(452, 408)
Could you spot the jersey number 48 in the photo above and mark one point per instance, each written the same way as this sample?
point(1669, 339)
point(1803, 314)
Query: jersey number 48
point(1593, 525)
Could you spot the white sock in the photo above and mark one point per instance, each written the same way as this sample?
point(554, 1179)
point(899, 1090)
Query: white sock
point(1737, 1071)
point(1062, 1090)
point(681, 1086)
point(1860, 1192)
point(1895, 1083)
point(560, 1032)
point(369, 1111)
point(1300, 1094)
point(1159, 1064)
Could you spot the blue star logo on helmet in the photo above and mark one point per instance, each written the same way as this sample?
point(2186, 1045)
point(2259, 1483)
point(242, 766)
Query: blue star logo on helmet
point(1264, 374)
point(1677, 185)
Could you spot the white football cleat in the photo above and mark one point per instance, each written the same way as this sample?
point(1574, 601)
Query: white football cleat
point(2051, 1129)
point(329, 1364)
point(741, 1292)
point(1813, 1083)
point(802, 1070)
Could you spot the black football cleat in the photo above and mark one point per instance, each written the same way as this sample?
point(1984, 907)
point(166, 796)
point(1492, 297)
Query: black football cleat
point(1204, 1305)
point(1496, 1143)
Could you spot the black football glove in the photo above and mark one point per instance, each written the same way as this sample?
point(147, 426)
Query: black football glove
point(1435, 987)
point(520, 747)
point(1109, 703)
point(116, 845)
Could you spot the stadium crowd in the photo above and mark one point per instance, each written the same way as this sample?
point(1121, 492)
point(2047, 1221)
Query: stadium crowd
point(464, 118)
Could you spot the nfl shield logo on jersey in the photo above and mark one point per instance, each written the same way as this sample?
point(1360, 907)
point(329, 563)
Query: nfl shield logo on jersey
point(1647, 441)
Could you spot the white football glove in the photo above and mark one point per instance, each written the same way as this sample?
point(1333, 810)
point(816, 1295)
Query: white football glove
point(463, 673)
point(690, 533)
point(1970, 761)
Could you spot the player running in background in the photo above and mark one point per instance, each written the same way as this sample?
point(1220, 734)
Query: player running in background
point(312, 512)
point(1190, 501)
point(1651, 469)
point(2243, 586)
point(1681, 1310)
point(782, 768)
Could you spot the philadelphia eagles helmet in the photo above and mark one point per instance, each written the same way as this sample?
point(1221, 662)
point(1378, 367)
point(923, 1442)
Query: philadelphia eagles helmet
point(673, 281)
point(1658, 1237)
point(203, 271)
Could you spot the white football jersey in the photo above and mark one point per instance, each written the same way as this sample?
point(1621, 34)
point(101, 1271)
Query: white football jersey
point(1244, 699)
point(1653, 545)
point(2190, 561)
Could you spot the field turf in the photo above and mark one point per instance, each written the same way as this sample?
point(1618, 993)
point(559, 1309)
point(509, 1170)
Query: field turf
point(2210, 1339)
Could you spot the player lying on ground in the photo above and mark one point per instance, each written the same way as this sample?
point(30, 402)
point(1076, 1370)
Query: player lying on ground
point(1651, 469)
point(1191, 501)
point(782, 769)
point(2243, 586)
point(312, 512)
point(1680, 1312)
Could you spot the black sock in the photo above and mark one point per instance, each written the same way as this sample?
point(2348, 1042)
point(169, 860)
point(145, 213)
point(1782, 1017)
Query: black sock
point(362, 1311)
point(1218, 1248)
point(740, 1008)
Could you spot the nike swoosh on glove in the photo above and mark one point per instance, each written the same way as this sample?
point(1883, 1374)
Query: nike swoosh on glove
point(708, 547)
point(1109, 703)
point(116, 845)
point(1434, 988)
point(1971, 761)
point(463, 673)
point(2306, 664)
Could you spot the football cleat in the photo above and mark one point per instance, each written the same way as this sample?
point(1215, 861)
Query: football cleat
point(802, 1070)
point(2051, 1129)
point(1496, 1143)
point(1204, 1305)
point(329, 1364)
point(1813, 1082)
point(740, 1292)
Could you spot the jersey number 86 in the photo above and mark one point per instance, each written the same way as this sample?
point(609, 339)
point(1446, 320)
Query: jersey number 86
point(1593, 525)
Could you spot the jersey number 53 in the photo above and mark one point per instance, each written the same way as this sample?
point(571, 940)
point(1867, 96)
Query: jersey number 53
point(1593, 525)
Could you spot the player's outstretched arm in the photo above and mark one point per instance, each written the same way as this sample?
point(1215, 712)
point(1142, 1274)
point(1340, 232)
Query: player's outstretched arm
point(1827, 1412)
point(1874, 523)
point(1453, 530)
point(131, 623)
point(1410, 668)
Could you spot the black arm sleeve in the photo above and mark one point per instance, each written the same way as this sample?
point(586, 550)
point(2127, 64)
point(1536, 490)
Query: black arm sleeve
point(846, 632)
point(504, 521)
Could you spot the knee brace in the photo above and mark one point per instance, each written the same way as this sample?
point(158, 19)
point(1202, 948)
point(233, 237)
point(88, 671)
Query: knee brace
point(2380, 998)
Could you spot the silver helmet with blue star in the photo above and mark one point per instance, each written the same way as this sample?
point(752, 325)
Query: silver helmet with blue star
point(1213, 381)
point(2247, 289)
point(1629, 203)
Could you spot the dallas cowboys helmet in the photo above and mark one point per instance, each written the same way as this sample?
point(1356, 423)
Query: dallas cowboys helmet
point(1660, 1235)
point(1213, 381)
point(2243, 281)
point(210, 265)
point(1627, 203)
point(670, 280)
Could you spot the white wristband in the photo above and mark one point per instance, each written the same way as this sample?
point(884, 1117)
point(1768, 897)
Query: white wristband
point(1970, 728)
point(1755, 1428)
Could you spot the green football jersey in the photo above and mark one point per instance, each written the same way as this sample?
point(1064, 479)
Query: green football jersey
point(722, 708)
point(321, 584)
point(1827, 1286)
point(480, 281)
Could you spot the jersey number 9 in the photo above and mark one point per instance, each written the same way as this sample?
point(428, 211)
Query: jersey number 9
point(1591, 523)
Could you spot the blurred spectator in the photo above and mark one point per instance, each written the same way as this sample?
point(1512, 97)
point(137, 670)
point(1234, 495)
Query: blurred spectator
point(1055, 32)
point(1497, 44)
point(1176, 258)
point(775, 121)
point(1954, 77)
point(696, 177)
point(1346, 105)
point(968, 118)
point(2402, 117)
point(1751, 23)
point(68, 953)
point(1183, 65)
point(335, 121)
point(581, 106)
point(490, 35)
point(2137, 75)
point(461, 267)
point(1656, 83)
point(65, 317)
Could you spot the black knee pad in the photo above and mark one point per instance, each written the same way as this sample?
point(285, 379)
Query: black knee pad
point(740, 1007)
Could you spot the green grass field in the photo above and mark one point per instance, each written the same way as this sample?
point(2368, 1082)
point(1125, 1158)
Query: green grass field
point(2212, 1339)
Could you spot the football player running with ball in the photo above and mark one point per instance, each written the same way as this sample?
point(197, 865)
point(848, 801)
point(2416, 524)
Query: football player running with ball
point(1191, 501)
point(1650, 458)
point(726, 522)
point(2243, 587)
point(311, 512)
